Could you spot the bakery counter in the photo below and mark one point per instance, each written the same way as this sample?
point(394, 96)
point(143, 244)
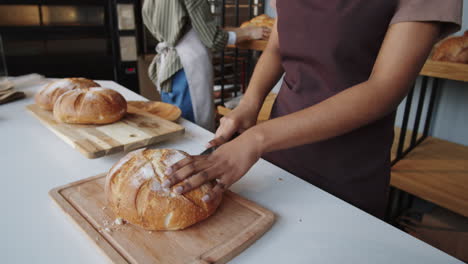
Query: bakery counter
point(311, 226)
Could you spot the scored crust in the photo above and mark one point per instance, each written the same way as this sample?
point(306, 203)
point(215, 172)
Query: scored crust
point(454, 49)
point(47, 96)
point(260, 21)
point(134, 192)
point(90, 106)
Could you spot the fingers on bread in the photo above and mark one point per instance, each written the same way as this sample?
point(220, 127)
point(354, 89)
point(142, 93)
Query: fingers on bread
point(134, 192)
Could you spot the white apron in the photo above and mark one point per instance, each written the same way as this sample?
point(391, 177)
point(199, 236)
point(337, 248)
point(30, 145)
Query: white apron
point(198, 67)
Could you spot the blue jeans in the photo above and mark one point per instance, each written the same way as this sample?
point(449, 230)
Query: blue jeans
point(180, 95)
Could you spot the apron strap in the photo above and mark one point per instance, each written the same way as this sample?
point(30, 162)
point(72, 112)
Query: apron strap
point(162, 49)
point(196, 60)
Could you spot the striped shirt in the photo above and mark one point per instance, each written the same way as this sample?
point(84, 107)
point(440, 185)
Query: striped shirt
point(169, 20)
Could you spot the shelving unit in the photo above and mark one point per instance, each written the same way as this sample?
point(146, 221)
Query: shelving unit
point(258, 45)
point(235, 65)
point(96, 39)
point(436, 171)
point(432, 169)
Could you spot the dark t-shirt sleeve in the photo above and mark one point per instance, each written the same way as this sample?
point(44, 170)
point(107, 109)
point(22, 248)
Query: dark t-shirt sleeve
point(447, 12)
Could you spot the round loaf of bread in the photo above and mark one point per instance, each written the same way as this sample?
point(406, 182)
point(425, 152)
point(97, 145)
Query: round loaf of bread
point(134, 192)
point(260, 21)
point(453, 49)
point(47, 96)
point(90, 106)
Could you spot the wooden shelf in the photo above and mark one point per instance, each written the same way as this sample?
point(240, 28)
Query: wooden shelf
point(446, 70)
point(438, 69)
point(436, 171)
point(259, 45)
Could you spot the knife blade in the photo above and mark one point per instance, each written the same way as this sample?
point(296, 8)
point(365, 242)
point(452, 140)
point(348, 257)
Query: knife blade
point(208, 151)
point(212, 149)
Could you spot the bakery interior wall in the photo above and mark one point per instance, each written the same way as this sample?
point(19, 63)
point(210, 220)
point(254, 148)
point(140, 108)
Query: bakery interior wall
point(449, 118)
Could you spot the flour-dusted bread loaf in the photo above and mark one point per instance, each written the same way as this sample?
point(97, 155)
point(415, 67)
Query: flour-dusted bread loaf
point(47, 96)
point(134, 192)
point(260, 21)
point(454, 49)
point(90, 106)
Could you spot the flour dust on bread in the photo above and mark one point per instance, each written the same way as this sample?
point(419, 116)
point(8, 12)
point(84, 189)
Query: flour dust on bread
point(134, 192)
point(90, 106)
point(47, 96)
point(260, 21)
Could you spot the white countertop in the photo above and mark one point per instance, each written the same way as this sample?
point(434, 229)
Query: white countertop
point(312, 226)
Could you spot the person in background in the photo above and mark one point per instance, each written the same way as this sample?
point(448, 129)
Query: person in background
point(347, 65)
point(182, 69)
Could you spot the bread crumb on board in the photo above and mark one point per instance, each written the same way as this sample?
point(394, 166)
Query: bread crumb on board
point(119, 221)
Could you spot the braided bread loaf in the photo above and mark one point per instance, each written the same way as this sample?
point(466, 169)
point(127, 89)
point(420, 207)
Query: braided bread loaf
point(90, 106)
point(47, 96)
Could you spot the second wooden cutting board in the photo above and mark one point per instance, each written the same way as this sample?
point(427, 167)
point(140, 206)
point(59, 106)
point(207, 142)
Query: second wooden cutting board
point(94, 141)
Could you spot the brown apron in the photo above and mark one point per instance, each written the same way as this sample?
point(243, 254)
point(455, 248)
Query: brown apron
point(327, 47)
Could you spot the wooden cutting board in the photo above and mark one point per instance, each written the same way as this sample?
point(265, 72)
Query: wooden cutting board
point(94, 141)
point(154, 108)
point(236, 224)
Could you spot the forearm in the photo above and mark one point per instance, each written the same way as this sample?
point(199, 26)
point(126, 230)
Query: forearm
point(397, 65)
point(267, 73)
point(340, 114)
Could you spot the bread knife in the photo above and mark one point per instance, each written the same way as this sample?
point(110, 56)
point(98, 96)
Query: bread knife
point(212, 149)
point(209, 150)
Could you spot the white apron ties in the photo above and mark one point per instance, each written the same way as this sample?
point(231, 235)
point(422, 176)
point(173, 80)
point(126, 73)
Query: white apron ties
point(198, 67)
point(196, 61)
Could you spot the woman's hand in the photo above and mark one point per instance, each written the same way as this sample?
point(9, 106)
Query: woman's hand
point(252, 33)
point(227, 165)
point(259, 32)
point(243, 117)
